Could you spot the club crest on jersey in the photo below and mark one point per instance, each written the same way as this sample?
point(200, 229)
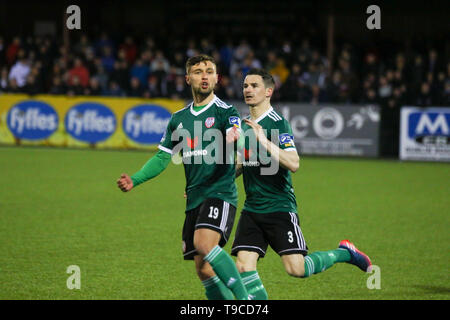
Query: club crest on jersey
point(209, 122)
point(286, 139)
point(235, 121)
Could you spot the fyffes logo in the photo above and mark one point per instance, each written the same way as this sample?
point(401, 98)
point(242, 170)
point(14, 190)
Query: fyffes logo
point(146, 123)
point(90, 122)
point(32, 120)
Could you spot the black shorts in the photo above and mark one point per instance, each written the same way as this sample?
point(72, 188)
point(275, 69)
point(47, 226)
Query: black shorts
point(214, 214)
point(280, 230)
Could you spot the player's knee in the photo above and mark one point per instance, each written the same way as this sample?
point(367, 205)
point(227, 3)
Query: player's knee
point(242, 267)
point(203, 247)
point(204, 271)
point(246, 263)
point(294, 270)
point(205, 240)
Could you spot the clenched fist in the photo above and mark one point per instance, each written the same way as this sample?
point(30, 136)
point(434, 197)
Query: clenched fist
point(125, 183)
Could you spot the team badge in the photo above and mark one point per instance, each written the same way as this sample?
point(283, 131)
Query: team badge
point(209, 122)
point(286, 139)
point(235, 121)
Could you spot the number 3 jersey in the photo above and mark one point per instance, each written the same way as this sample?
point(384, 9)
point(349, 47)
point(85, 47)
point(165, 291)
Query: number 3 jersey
point(199, 138)
point(268, 186)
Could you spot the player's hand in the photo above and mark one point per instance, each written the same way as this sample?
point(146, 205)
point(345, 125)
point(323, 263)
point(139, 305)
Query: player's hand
point(125, 183)
point(185, 195)
point(232, 135)
point(257, 129)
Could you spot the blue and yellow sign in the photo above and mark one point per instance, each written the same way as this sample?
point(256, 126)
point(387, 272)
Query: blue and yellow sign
point(60, 121)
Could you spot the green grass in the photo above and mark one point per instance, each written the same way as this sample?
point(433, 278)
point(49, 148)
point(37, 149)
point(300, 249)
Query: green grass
point(62, 207)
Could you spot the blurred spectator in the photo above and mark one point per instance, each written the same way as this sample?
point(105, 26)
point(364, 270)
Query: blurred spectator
point(83, 45)
point(226, 53)
point(135, 89)
point(446, 94)
point(424, 98)
point(2, 51)
point(4, 79)
point(79, 71)
point(74, 87)
point(153, 88)
point(130, 49)
point(108, 58)
point(160, 65)
point(370, 65)
point(225, 90)
point(57, 86)
point(19, 72)
point(114, 90)
point(178, 89)
point(317, 95)
point(13, 87)
point(31, 87)
point(94, 88)
point(139, 71)
point(295, 89)
point(280, 70)
point(121, 73)
point(12, 51)
point(433, 64)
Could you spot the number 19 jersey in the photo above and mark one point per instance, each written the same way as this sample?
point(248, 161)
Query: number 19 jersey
point(201, 137)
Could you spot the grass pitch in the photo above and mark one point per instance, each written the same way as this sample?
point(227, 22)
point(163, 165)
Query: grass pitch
point(61, 207)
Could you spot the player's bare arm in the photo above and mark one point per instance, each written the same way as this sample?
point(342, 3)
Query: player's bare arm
point(287, 159)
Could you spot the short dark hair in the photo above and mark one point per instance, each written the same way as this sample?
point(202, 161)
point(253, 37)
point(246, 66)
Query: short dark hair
point(192, 61)
point(267, 78)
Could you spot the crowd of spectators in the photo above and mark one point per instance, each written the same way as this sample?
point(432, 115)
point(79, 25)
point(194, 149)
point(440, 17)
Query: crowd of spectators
point(144, 68)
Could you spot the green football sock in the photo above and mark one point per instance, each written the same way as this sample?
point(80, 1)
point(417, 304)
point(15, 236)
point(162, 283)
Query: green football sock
point(227, 272)
point(216, 289)
point(254, 285)
point(319, 261)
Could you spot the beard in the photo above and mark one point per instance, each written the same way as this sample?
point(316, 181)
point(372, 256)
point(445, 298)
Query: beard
point(202, 93)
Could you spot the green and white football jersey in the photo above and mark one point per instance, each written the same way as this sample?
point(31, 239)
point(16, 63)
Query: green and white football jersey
point(201, 135)
point(267, 193)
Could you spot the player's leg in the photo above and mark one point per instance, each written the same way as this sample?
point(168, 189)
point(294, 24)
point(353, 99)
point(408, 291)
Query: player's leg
point(292, 250)
point(298, 266)
point(213, 227)
point(215, 289)
point(249, 245)
point(246, 263)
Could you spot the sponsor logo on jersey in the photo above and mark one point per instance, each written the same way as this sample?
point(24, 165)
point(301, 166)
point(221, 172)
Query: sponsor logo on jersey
point(32, 120)
point(247, 154)
point(235, 121)
point(209, 122)
point(251, 163)
point(286, 139)
point(192, 143)
point(146, 123)
point(195, 153)
point(90, 122)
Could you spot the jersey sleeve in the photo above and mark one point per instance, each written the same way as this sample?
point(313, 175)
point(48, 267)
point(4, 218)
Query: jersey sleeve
point(285, 137)
point(232, 119)
point(166, 144)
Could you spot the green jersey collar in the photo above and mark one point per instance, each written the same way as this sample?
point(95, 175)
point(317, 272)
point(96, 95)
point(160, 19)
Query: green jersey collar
point(265, 114)
point(196, 113)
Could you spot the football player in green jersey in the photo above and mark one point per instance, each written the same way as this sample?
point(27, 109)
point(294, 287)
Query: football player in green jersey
point(202, 129)
point(269, 216)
